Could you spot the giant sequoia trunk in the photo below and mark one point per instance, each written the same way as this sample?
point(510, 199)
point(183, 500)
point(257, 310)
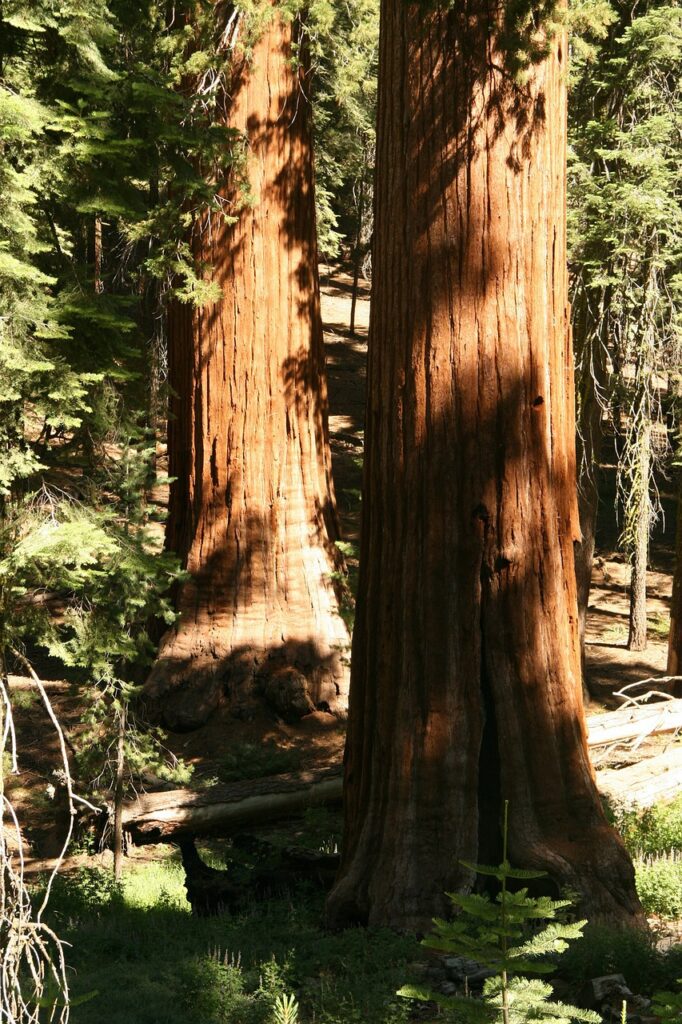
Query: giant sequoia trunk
point(252, 510)
point(465, 679)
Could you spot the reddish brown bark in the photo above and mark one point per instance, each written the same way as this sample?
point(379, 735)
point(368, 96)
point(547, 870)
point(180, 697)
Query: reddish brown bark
point(252, 510)
point(466, 666)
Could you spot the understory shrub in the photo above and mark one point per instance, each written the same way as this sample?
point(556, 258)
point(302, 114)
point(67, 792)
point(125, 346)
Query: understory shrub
point(659, 883)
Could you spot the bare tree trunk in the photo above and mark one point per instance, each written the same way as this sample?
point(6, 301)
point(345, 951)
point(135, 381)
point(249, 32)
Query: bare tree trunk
point(637, 638)
point(357, 260)
point(357, 257)
point(675, 637)
point(252, 509)
point(97, 253)
point(591, 379)
point(466, 684)
point(119, 794)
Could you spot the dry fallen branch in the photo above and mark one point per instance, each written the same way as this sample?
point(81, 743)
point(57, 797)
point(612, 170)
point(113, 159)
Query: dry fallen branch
point(644, 783)
point(33, 980)
point(635, 722)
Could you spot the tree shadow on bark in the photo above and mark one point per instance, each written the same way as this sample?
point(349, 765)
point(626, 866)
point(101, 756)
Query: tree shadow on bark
point(466, 682)
point(252, 511)
point(236, 642)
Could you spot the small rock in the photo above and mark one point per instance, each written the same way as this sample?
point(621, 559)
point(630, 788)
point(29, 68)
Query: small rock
point(452, 963)
point(477, 978)
point(611, 988)
point(418, 967)
point(448, 988)
point(459, 967)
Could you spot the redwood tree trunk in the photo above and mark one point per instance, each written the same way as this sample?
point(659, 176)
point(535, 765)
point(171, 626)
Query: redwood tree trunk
point(252, 509)
point(466, 665)
point(675, 638)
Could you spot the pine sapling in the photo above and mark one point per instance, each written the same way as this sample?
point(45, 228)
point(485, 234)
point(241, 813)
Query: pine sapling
point(503, 935)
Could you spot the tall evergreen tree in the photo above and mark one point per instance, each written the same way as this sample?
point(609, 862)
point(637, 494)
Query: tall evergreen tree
point(252, 510)
point(626, 250)
point(465, 682)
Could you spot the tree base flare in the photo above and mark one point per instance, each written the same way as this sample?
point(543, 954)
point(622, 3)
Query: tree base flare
point(292, 678)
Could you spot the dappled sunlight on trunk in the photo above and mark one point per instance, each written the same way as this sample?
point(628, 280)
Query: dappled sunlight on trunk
point(466, 685)
point(252, 508)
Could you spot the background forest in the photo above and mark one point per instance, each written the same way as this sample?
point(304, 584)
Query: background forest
point(116, 139)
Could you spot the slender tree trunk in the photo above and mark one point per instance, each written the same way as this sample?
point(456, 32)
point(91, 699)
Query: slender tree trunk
point(119, 788)
point(466, 663)
point(357, 258)
point(637, 638)
point(675, 637)
point(591, 378)
point(97, 254)
point(252, 509)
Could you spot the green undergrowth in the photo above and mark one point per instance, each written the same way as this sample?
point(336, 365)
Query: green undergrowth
point(653, 836)
point(607, 950)
point(149, 961)
point(659, 883)
point(650, 830)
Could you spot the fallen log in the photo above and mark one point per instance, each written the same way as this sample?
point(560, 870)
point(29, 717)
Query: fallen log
point(176, 814)
point(645, 783)
point(182, 813)
point(633, 722)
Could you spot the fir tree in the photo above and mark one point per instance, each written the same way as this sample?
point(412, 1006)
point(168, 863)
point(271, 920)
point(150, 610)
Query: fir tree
point(627, 244)
point(508, 936)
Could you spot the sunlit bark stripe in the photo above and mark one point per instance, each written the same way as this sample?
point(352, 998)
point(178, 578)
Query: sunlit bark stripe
point(465, 669)
point(252, 510)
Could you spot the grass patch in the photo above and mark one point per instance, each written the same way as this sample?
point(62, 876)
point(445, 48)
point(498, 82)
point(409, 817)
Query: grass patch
point(658, 625)
point(151, 962)
point(25, 699)
point(608, 950)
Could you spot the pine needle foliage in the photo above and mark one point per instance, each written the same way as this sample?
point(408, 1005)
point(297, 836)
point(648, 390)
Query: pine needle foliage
point(512, 935)
point(625, 230)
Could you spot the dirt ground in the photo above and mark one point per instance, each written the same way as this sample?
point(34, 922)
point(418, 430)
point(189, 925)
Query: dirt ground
point(318, 740)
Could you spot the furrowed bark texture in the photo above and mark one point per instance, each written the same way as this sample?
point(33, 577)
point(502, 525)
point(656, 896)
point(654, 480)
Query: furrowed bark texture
point(466, 666)
point(252, 511)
